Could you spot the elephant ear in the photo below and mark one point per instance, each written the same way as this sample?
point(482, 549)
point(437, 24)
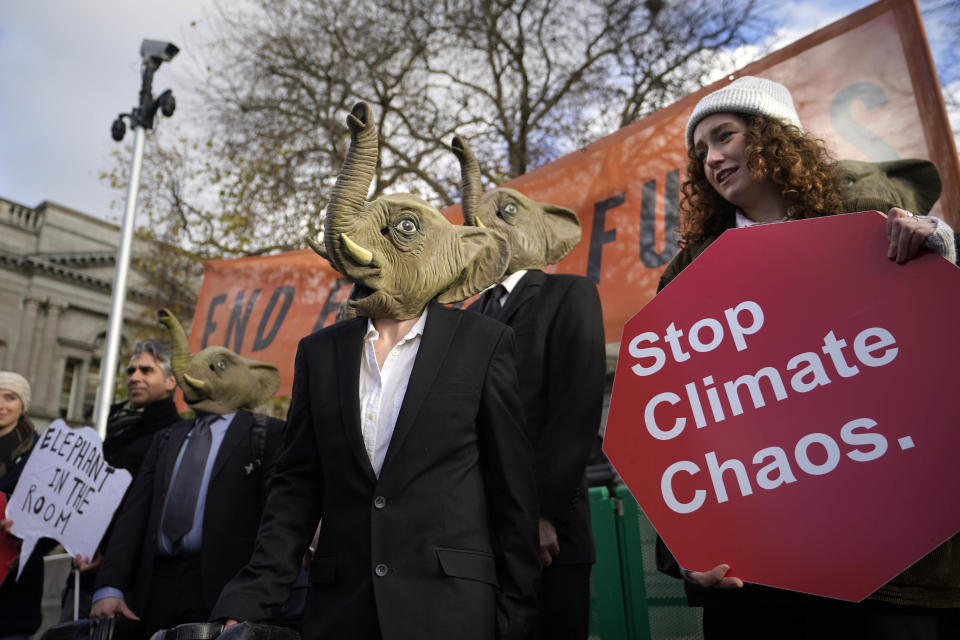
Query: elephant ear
point(917, 181)
point(264, 382)
point(912, 184)
point(563, 231)
point(484, 256)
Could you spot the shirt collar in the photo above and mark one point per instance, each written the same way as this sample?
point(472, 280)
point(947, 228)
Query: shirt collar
point(415, 330)
point(510, 282)
point(743, 221)
point(215, 418)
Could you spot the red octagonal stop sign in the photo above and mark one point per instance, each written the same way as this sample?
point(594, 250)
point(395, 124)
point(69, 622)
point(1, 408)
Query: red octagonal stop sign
point(788, 406)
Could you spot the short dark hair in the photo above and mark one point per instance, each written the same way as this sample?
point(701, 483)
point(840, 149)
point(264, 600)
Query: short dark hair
point(160, 353)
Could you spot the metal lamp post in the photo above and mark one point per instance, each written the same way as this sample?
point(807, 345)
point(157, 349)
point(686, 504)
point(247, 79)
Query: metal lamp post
point(153, 53)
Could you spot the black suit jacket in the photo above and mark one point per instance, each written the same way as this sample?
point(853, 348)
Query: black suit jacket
point(561, 364)
point(231, 516)
point(130, 432)
point(444, 543)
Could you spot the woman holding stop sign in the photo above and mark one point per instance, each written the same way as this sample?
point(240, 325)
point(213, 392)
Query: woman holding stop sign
point(750, 163)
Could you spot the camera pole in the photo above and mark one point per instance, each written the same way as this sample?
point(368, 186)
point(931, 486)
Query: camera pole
point(141, 118)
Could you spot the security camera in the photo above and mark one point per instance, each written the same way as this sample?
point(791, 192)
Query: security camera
point(154, 53)
point(118, 130)
point(167, 103)
point(159, 50)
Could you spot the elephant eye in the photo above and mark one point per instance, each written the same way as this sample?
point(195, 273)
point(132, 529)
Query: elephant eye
point(405, 231)
point(508, 211)
point(222, 365)
point(847, 179)
point(406, 227)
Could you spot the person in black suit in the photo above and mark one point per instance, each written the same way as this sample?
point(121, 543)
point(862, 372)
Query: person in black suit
point(190, 519)
point(131, 427)
point(561, 364)
point(404, 438)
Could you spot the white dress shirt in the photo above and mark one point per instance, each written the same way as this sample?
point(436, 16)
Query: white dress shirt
point(509, 283)
point(382, 389)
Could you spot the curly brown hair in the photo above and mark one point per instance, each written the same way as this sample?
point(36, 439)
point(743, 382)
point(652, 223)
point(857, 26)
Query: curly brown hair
point(796, 162)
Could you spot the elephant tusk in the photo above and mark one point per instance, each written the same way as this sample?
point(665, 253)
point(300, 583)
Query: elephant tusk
point(360, 255)
point(479, 223)
point(196, 383)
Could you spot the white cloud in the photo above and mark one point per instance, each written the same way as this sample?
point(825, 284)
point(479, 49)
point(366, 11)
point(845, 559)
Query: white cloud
point(68, 69)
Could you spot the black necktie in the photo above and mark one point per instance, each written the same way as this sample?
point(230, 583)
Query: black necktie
point(491, 301)
point(184, 490)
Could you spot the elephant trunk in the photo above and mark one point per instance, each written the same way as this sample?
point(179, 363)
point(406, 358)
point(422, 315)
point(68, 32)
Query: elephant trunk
point(470, 187)
point(179, 348)
point(349, 194)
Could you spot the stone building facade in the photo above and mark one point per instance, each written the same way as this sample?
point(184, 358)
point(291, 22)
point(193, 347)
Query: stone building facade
point(56, 272)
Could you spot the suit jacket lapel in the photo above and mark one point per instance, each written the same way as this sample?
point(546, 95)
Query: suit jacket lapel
point(237, 431)
point(349, 341)
point(437, 334)
point(527, 288)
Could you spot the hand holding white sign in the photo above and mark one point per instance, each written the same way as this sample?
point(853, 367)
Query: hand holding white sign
point(67, 492)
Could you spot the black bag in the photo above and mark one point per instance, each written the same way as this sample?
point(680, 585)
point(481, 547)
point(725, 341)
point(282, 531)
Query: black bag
point(215, 630)
point(254, 631)
point(190, 631)
point(94, 629)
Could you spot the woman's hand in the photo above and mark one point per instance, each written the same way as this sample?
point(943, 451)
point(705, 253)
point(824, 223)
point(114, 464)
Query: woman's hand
point(906, 234)
point(716, 578)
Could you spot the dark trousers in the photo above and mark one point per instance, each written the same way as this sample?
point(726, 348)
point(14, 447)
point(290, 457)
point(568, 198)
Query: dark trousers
point(175, 594)
point(564, 600)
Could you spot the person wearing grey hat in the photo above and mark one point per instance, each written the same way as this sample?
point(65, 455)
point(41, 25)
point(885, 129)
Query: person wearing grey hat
point(20, 600)
point(751, 162)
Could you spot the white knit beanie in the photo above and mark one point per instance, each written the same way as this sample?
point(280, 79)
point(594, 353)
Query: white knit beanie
point(18, 384)
point(748, 94)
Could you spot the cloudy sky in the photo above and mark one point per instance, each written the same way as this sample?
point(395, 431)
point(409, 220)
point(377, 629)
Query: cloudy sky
point(68, 67)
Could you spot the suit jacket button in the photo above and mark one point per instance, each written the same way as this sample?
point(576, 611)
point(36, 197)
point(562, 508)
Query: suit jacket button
point(381, 570)
point(379, 502)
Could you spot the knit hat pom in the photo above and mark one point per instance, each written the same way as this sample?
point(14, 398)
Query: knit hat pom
point(747, 95)
point(18, 384)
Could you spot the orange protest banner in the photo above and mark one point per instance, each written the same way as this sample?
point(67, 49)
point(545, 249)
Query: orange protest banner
point(261, 306)
point(867, 97)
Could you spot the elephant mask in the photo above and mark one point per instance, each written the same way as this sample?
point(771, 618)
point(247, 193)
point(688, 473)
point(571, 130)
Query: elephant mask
point(911, 184)
point(217, 380)
point(539, 234)
point(400, 251)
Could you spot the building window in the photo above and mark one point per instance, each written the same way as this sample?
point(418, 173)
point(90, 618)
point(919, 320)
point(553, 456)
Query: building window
point(90, 394)
point(68, 387)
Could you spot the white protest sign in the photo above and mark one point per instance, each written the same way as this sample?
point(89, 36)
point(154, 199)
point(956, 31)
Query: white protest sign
point(67, 492)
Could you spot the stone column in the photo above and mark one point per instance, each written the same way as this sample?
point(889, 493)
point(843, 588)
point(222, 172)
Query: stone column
point(28, 325)
point(80, 374)
point(44, 376)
